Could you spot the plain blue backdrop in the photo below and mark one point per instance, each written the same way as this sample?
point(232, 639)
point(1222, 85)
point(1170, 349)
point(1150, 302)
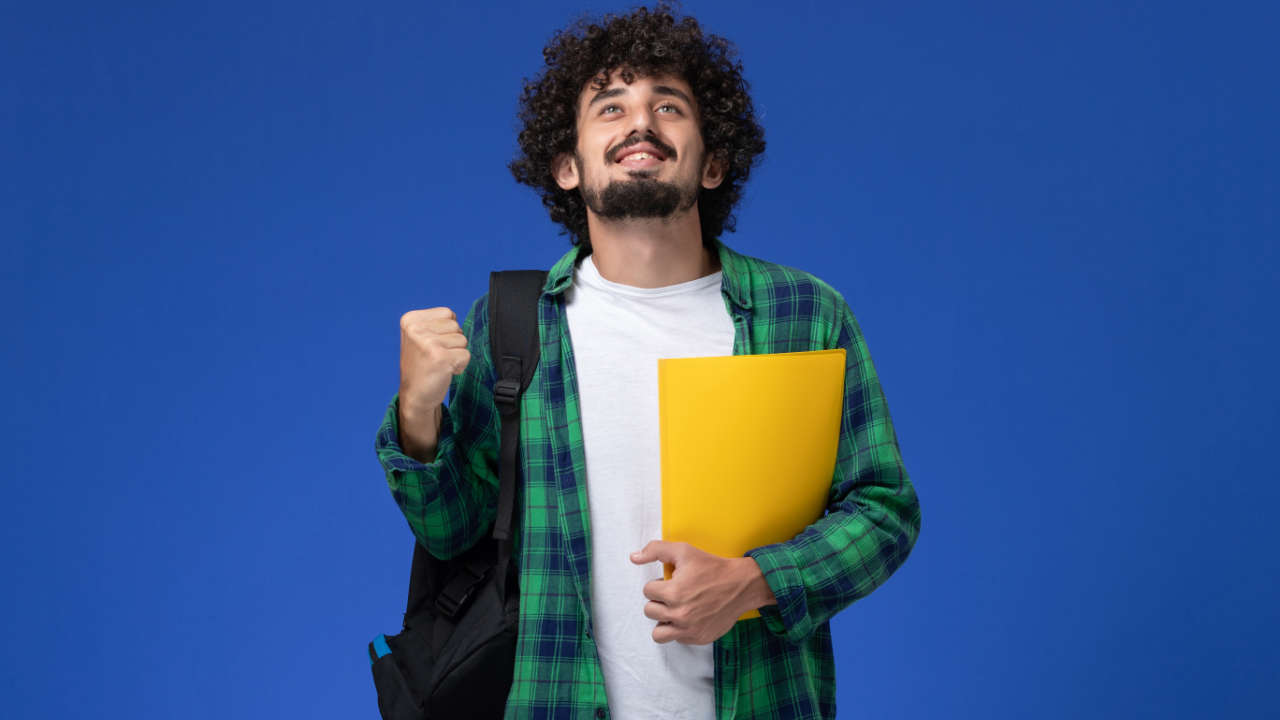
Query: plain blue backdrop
point(1055, 222)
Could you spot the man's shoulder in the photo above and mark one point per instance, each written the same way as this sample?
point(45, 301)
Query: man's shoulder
point(767, 282)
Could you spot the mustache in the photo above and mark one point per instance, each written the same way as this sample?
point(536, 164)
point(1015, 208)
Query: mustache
point(667, 151)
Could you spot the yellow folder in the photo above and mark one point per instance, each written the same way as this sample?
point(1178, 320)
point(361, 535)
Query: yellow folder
point(748, 447)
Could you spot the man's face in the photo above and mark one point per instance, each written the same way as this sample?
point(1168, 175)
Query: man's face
point(639, 151)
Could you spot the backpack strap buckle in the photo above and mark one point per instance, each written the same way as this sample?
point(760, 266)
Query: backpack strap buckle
point(505, 394)
point(457, 594)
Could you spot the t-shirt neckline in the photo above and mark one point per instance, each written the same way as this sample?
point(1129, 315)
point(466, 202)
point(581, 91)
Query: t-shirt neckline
point(588, 274)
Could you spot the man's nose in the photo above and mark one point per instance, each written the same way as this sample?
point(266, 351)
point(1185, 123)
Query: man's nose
point(641, 120)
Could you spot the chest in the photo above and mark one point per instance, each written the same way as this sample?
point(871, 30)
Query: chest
point(616, 343)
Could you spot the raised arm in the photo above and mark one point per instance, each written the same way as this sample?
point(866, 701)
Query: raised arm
point(441, 461)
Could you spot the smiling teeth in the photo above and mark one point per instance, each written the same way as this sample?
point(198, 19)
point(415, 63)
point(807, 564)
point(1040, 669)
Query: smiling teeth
point(639, 156)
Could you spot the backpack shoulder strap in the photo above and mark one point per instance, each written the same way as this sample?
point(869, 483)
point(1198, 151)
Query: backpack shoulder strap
point(513, 345)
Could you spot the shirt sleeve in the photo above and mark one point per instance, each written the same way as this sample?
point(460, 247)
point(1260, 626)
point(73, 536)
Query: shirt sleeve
point(450, 502)
point(872, 519)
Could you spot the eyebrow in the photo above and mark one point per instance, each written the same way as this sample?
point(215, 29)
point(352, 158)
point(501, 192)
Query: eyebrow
point(657, 89)
point(674, 92)
point(606, 94)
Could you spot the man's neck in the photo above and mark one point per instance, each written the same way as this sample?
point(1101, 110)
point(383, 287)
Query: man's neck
point(651, 253)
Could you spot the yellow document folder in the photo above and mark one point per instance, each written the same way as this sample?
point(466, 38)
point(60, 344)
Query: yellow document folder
point(748, 447)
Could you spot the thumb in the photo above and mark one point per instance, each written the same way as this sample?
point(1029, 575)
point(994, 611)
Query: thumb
point(654, 551)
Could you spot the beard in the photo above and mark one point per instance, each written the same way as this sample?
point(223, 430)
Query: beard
point(642, 196)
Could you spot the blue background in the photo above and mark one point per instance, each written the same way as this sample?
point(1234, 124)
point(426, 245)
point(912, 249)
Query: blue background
point(1055, 222)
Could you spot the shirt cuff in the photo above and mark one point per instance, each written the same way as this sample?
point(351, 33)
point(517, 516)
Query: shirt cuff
point(390, 452)
point(778, 564)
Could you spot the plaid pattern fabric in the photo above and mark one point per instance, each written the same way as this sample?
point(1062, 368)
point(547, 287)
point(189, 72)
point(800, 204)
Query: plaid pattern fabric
point(778, 666)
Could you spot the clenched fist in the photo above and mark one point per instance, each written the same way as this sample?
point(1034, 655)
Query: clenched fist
point(432, 350)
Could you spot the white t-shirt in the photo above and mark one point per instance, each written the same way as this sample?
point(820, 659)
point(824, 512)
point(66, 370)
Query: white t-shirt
point(618, 334)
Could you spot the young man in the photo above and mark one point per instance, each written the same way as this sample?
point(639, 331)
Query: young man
point(639, 135)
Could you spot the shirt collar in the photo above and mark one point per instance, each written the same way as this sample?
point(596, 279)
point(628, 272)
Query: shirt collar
point(735, 275)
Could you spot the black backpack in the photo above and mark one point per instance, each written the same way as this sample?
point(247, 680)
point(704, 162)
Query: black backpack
point(455, 656)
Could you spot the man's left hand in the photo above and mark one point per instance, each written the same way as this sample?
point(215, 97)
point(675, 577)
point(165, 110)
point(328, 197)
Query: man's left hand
point(705, 595)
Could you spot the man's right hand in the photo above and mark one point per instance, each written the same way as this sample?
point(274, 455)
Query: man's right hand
point(432, 350)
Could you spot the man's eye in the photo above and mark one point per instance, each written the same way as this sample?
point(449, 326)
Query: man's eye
point(669, 108)
point(609, 109)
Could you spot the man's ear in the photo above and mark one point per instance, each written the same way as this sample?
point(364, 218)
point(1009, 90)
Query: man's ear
point(714, 169)
point(565, 171)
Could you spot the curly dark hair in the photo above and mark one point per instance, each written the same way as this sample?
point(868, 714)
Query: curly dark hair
point(647, 42)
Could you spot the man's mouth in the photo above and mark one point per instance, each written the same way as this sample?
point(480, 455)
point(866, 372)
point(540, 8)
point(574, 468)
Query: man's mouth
point(640, 160)
point(640, 155)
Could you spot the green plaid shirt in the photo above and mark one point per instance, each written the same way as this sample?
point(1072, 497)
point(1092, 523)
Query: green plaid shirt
point(778, 666)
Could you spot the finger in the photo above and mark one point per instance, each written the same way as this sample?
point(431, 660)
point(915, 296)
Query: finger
point(658, 611)
point(660, 591)
point(655, 550)
point(665, 633)
point(417, 316)
point(451, 340)
point(441, 325)
point(460, 358)
point(431, 326)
